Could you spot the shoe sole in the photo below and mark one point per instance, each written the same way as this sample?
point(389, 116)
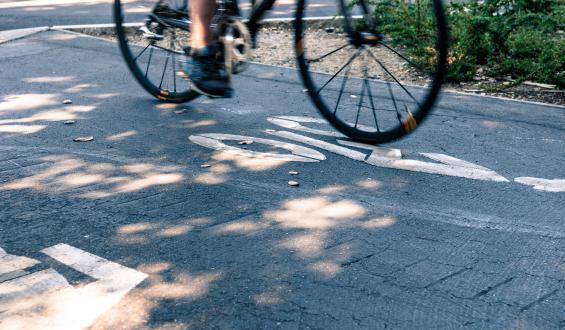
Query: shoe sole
point(193, 86)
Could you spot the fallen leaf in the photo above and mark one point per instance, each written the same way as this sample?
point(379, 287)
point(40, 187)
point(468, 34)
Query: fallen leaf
point(67, 101)
point(293, 173)
point(293, 183)
point(69, 122)
point(245, 142)
point(205, 165)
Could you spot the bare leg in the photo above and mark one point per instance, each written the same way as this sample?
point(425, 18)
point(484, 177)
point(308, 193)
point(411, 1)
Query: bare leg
point(202, 12)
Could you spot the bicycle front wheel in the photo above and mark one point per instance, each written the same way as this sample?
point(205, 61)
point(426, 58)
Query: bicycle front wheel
point(152, 46)
point(375, 70)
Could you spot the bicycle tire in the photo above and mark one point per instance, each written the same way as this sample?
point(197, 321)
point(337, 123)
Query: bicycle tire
point(401, 126)
point(159, 92)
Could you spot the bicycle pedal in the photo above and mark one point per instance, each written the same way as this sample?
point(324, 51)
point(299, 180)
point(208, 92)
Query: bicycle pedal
point(150, 35)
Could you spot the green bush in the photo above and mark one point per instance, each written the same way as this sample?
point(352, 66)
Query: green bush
point(519, 38)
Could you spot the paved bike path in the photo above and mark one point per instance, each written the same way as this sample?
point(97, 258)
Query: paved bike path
point(232, 245)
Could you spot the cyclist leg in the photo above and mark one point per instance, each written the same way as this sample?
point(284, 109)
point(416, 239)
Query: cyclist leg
point(206, 70)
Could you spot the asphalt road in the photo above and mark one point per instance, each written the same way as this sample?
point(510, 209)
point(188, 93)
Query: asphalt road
point(35, 13)
point(231, 244)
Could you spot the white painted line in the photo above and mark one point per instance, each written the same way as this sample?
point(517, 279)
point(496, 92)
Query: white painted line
point(378, 151)
point(555, 185)
point(435, 168)
point(94, 26)
point(39, 3)
point(310, 18)
point(10, 35)
point(91, 265)
point(355, 155)
point(15, 274)
point(299, 153)
point(293, 122)
point(11, 263)
point(453, 161)
point(29, 286)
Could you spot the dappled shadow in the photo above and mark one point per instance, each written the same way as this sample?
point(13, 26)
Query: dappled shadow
point(67, 173)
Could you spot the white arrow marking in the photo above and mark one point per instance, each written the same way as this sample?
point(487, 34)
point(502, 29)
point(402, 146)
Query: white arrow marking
point(555, 185)
point(45, 300)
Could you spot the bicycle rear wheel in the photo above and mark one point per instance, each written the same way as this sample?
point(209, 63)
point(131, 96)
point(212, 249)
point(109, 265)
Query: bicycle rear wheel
point(152, 47)
point(375, 72)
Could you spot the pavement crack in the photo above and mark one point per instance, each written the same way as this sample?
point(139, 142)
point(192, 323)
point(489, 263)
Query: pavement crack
point(428, 239)
point(539, 300)
point(490, 288)
point(356, 260)
point(446, 277)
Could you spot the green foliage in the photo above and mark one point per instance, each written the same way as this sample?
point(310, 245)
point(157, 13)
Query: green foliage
point(520, 38)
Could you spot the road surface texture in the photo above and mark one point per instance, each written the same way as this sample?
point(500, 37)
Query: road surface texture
point(34, 13)
point(218, 239)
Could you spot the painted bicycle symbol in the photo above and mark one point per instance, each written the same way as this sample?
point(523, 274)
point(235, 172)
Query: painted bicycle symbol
point(441, 164)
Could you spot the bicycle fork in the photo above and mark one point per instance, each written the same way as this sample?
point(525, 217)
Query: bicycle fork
point(229, 43)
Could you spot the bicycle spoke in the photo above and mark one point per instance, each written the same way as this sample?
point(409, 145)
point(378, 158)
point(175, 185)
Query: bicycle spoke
point(168, 50)
point(174, 74)
point(370, 94)
point(360, 104)
point(394, 78)
point(173, 67)
point(398, 115)
point(341, 69)
point(149, 62)
point(141, 53)
point(342, 87)
point(164, 70)
point(402, 56)
point(327, 54)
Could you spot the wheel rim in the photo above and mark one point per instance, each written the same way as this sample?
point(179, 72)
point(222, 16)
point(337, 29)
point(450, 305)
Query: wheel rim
point(371, 90)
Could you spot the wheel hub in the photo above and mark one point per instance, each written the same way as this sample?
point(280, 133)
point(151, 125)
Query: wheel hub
point(235, 37)
point(366, 38)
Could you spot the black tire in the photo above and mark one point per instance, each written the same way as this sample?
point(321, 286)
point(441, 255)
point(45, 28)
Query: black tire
point(173, 89)
point(399, 114)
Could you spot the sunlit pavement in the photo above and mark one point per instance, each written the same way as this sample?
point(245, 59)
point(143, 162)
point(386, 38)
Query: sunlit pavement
point(459, 225)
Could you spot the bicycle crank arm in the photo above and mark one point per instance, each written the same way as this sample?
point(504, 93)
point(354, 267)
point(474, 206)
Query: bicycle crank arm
point(228, 41)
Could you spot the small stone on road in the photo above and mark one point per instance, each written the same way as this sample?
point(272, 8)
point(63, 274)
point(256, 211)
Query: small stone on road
point(84, 139)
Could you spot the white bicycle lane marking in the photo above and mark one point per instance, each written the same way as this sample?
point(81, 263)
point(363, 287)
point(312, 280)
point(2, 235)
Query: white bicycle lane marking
point(45, 300)
point(379, 156)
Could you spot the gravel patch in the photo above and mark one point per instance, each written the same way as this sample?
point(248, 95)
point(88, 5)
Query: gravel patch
point(276, 47)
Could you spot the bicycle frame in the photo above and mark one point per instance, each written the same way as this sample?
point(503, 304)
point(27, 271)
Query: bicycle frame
point(180, 18)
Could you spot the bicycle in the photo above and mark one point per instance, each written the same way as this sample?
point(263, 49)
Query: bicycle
point(390, 91)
